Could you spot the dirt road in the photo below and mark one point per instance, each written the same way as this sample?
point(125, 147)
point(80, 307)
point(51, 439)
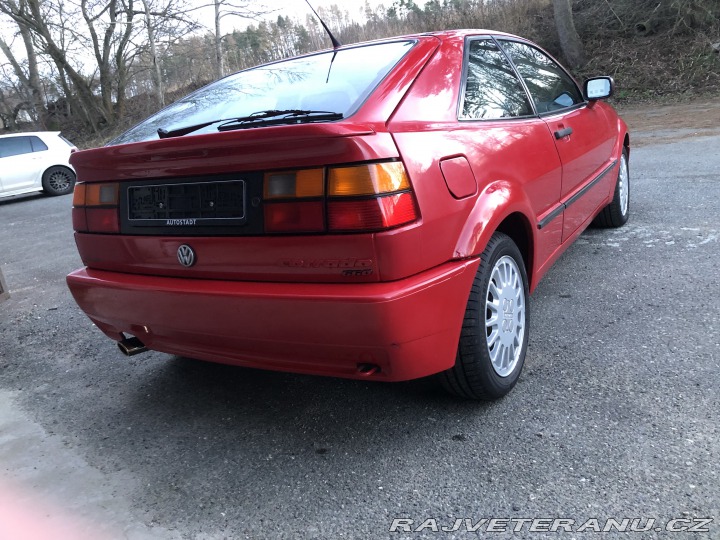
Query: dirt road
point(667, 123)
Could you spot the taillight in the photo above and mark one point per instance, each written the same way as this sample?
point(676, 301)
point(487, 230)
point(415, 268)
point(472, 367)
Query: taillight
point(372, 179)
point(371, 214)
point(95, 208)
point(294, 184)
point(358, 198)
point(290, 216)
point(369, 197)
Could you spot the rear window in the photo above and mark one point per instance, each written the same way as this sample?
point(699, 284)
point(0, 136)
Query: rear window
point(330, 81)
point(65, 141)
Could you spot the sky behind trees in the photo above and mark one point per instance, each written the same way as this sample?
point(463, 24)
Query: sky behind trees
point(298, 9)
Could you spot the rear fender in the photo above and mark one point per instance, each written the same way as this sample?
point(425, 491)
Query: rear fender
point(495, 203)
point(622, 141)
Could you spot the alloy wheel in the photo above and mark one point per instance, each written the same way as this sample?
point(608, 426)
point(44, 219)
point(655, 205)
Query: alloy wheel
point(505, 316)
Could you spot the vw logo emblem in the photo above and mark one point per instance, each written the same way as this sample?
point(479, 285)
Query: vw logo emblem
point(186, 256)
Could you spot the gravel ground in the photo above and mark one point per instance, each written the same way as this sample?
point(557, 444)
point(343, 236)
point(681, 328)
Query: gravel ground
point(615, 415)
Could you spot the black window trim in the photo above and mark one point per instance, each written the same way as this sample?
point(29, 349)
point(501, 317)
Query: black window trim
point(463, 83)
point(500, 39)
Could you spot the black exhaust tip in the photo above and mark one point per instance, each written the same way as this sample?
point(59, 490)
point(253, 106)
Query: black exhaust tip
point(367, 370)
point(131, 346)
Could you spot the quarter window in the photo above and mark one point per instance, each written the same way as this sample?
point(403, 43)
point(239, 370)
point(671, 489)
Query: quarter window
point(549, 85)
point(492, 90)
point(37, 144)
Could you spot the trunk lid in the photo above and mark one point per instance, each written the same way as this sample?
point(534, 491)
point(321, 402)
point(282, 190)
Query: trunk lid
point(206, 192)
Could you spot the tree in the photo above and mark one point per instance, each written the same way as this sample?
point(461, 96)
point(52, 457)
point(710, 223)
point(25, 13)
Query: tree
point(245, 9)
point(570, 42)
point(93, 44)
point(157, 72)
point(30, 80)
point(57, 30)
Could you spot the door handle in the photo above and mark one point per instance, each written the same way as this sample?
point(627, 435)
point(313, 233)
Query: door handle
point(563, 133)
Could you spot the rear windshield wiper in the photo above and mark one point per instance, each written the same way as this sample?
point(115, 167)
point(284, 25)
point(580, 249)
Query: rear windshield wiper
point(265, 118)
point(276, 118)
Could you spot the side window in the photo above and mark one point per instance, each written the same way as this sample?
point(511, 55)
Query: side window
point(492, 90)
point(549, 85)
point(14, 146)
point(37, 144)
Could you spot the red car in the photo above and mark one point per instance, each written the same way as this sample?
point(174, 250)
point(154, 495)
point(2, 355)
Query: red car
point(378, 211)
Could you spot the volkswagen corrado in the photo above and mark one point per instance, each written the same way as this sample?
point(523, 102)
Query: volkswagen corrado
point(376, 211)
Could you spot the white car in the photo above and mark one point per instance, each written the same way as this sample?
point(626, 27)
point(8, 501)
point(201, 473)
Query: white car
point(36, 161)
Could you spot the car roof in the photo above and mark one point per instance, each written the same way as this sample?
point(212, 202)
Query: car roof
point(440, 34)
point(27, 133)
point(465, 32)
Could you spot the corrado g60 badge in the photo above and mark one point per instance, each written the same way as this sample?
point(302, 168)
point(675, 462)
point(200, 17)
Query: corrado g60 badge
point(347, 267)
point(186, 256)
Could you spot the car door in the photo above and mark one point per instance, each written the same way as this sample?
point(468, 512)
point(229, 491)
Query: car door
point(509, 141)
point(582, 134)
point(19, 165)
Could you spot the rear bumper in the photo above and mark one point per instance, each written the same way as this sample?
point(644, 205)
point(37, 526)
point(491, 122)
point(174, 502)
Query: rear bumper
point(407, 328)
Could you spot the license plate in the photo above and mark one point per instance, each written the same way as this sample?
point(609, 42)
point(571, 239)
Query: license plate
point(188, 204)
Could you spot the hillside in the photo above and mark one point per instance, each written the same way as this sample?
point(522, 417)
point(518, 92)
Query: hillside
point(658, 51)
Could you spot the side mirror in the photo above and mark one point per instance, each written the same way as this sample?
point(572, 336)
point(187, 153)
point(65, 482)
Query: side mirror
point(598, 88)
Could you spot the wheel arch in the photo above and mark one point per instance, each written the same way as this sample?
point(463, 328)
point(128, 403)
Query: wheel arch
point(626, 144)
point(622, 142)
point(518, 228)
point(501, 207)
point(60, 166)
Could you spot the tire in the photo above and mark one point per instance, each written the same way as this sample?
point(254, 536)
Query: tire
point(617, 212)
point(58, 180)
point(494, 336)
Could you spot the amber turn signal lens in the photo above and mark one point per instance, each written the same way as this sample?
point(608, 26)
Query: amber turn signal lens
point(294, 184)
point(372, 179)
point(79, 195)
